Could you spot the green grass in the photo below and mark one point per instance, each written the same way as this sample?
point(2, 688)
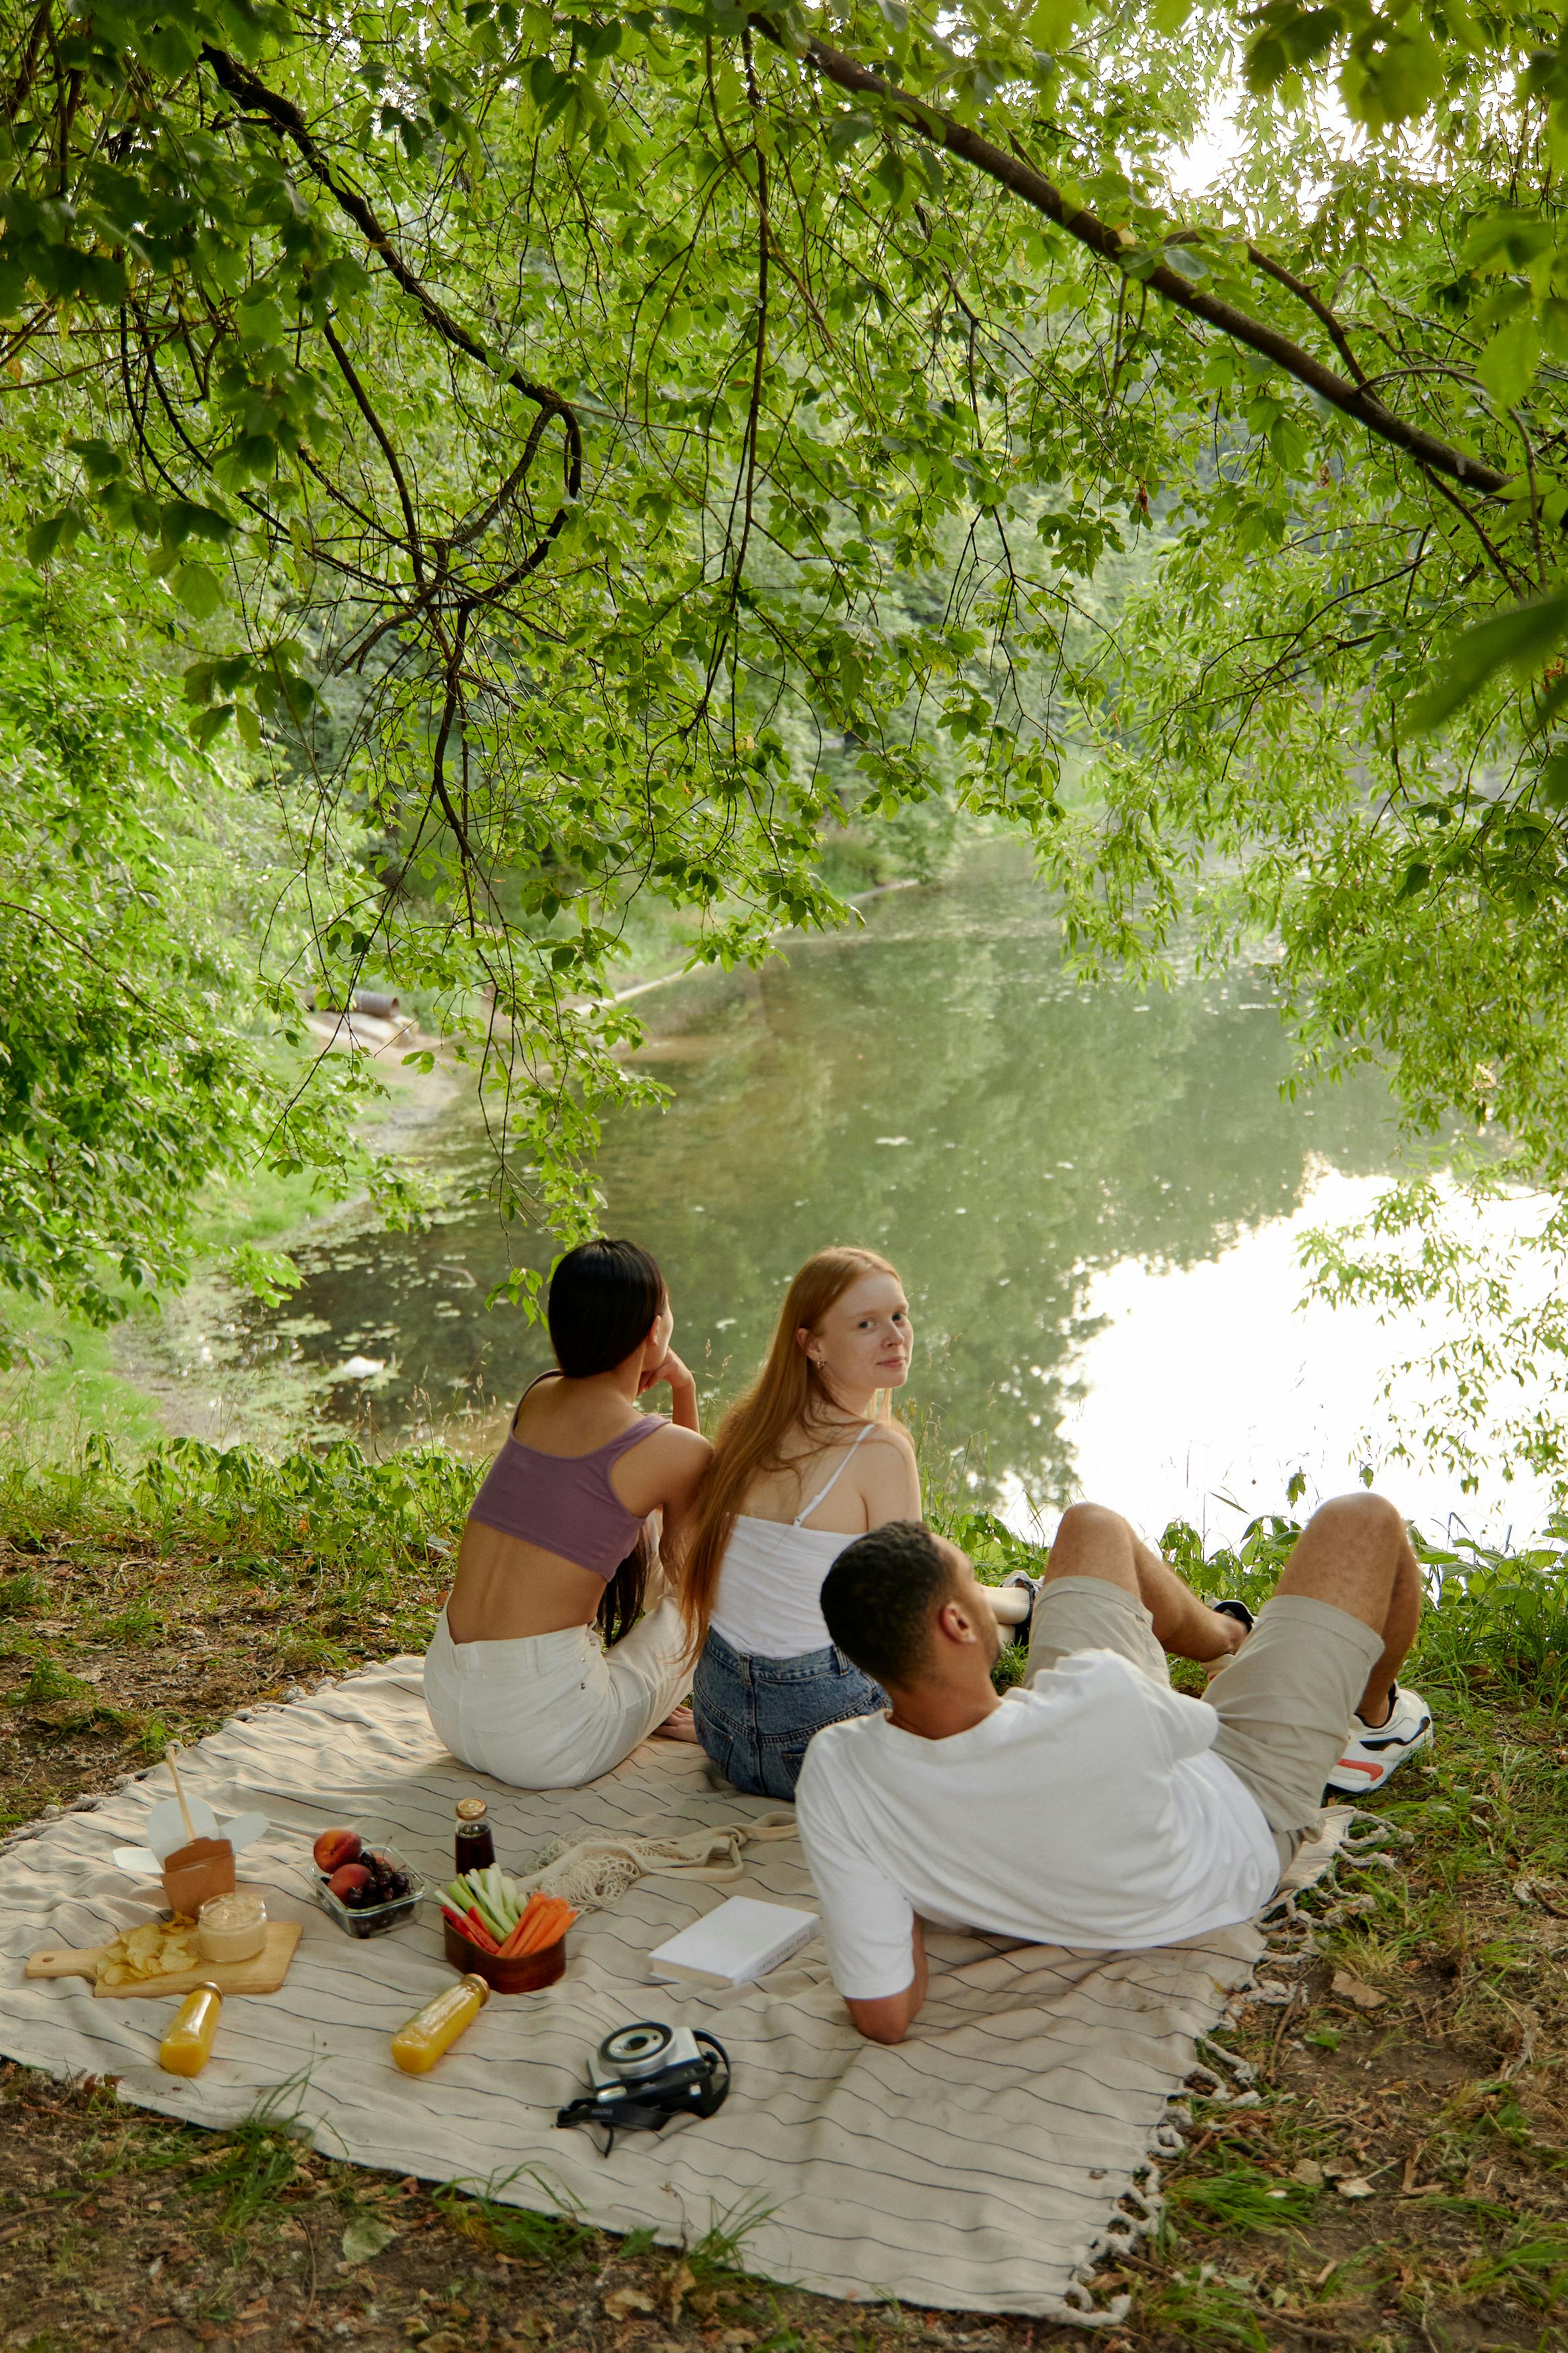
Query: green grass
point(1240, 2197)
point(259, 2159)
point(548, 2233)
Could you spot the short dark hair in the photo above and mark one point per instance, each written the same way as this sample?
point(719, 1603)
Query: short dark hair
point(604, 1299)
point(881, 1595)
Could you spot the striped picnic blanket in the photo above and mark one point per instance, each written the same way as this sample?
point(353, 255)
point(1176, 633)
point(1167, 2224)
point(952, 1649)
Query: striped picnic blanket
point(983, 2165)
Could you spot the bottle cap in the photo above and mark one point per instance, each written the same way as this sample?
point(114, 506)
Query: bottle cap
point(471, 1810)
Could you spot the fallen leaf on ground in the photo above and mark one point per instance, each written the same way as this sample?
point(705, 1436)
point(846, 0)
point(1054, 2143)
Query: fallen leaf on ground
point(365, 2237)
point(680, 2287)
point(1308, 2172)
point(1351, 2185)
point(1354, 1990)
point(623, 2302)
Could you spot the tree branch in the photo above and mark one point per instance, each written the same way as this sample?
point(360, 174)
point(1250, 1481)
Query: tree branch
point(249, 91)
point(1114, 245)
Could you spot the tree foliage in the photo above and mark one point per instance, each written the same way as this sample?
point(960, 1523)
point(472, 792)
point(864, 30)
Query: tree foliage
point(535, 416)
point(134, 1062)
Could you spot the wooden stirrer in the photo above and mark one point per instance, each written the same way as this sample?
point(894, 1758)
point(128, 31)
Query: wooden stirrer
point(169, 1754)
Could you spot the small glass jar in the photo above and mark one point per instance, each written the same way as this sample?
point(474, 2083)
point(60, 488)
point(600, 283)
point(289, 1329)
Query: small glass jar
point(473, 1842)
point(232, 1927)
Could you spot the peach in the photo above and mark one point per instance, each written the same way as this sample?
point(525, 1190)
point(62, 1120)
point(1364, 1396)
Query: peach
point(348, 1879)
point(334, 1848)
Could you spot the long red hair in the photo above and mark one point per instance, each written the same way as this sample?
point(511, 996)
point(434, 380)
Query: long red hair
point(789, 1393)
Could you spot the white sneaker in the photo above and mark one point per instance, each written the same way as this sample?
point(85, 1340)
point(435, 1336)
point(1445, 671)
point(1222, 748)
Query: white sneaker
point(1376, 1750)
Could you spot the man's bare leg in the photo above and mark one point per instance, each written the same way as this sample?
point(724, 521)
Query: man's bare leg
point(1094, 1542)
point(1354, 1552)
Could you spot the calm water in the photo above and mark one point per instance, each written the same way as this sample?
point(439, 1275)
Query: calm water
point(1093, 1197)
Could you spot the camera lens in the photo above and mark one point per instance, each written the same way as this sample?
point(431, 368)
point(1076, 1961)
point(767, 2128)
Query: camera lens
point(635, 2050)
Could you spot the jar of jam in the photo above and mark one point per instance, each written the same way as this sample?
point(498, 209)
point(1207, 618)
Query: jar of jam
point(474, 1845)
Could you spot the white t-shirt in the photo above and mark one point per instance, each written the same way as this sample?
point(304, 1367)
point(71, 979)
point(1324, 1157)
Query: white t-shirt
point(1085, 1811)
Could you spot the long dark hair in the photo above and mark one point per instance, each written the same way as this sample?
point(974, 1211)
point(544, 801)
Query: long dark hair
point(605, 1297)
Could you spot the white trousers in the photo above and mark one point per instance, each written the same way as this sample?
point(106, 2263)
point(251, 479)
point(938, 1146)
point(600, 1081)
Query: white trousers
point(554, 1710)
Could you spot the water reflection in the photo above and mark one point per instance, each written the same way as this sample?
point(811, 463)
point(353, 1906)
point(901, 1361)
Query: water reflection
point(935, 1085)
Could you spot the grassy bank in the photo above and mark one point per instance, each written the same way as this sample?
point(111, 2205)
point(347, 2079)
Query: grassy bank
point(1399, 2184)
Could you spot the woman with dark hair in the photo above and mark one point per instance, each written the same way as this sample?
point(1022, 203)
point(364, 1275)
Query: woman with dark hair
point(560, 1545)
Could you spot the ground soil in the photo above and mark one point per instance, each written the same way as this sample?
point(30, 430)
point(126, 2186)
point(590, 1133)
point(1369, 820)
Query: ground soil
point(1395, 2180)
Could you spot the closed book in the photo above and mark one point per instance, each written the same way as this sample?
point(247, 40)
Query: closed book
point(739, 1939)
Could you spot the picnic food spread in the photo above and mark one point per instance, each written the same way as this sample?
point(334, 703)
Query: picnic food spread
point(416, 2046)
point(224, 1942)
point(188, 2044)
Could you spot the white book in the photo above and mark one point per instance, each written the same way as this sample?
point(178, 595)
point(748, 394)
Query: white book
point(739, 1939)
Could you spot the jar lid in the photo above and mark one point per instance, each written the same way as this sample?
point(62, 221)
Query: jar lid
point(471, 1810)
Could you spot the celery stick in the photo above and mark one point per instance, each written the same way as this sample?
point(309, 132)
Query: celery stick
point(495, 1892)
point(491, 1919)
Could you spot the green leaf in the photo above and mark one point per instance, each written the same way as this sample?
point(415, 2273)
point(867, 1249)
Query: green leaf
point(103, 461)
point(182, 519)
point(198, 588)
point(1508, 364)
point(1518, 640)
point(206, 724)
point(44, 539)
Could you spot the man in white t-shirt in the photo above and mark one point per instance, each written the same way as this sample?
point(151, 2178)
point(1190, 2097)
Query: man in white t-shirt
point(1094, 1806)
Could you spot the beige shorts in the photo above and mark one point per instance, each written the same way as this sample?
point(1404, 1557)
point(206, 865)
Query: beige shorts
point(1284, 1702)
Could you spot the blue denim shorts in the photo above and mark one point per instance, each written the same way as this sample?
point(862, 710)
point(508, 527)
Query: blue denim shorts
point(755, 1715)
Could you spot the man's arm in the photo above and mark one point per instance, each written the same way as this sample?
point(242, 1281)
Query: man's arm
point(889, 2018)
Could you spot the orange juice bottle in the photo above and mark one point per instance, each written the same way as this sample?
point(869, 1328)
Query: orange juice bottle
point(416, 2046)
point(188, 2044)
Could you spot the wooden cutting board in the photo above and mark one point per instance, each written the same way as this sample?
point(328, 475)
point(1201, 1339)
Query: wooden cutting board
point(264, 1974)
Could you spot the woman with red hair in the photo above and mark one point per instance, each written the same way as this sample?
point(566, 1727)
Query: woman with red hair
point(806, 1461)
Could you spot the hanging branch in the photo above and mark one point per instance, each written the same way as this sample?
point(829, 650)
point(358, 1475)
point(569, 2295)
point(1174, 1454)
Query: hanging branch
point(1117, 247)
point(249, 91)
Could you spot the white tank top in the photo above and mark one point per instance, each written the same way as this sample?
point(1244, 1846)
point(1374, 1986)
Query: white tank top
point(769, 1603)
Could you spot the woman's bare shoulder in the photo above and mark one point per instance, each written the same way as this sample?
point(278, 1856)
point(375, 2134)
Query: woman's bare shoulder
point(682, 1447)
point(894, 1433)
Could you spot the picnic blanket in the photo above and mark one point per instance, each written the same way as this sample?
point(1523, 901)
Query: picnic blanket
point(983, 2165)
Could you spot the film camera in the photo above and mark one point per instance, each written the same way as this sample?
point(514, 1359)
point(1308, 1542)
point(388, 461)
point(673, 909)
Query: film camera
point(642, 2076)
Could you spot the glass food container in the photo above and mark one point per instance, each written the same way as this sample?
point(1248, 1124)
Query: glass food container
point(372, 1919)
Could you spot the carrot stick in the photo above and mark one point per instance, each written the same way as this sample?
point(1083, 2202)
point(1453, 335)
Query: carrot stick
point(510, 1948)
point(537, 1908)
point(548, 1923)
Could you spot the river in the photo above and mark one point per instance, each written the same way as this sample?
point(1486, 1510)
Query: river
point(1094, 1196)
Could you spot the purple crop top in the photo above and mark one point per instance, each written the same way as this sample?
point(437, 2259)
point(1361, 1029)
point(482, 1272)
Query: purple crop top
point(564, 1503)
